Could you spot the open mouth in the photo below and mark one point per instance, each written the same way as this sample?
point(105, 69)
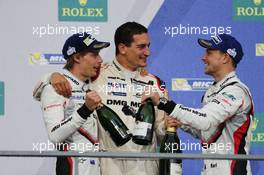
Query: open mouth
point(205, 63)
point(144, 59)
point(97, 67)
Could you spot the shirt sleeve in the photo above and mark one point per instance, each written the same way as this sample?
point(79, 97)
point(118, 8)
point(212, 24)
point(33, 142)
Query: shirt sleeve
point(221, 107)
point(58, 126)
point(44, 81)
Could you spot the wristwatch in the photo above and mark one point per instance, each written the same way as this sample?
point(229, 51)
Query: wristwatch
point(162, 103)
point(166, 105)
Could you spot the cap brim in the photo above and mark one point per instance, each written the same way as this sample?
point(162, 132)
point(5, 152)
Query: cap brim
point(100, 45)
point(205, 43)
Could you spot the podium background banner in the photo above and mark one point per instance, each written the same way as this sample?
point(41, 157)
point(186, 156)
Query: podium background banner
point(33, 32)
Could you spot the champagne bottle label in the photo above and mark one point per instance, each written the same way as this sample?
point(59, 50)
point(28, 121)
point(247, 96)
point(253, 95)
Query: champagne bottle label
point(141, 128)
point(175, 169)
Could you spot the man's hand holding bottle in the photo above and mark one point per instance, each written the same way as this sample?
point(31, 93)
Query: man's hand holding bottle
point(171, 122)
point(92, 100)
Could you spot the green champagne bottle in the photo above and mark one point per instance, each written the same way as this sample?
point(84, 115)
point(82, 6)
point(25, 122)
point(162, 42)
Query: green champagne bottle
point(170, 144)
point(114, 125)
point(145, 119)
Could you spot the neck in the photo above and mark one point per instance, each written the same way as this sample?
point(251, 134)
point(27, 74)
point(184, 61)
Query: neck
point(123, 62)
point(220, 75)
point(76, 72)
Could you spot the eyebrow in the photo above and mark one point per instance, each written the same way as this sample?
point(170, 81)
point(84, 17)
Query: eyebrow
point(140, 45)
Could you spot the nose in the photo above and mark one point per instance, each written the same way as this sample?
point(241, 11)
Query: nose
point(204, 57)
point(147, 51)
point(99, 58)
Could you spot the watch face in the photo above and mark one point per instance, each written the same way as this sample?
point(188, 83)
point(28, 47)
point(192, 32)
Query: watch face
point(163, 100)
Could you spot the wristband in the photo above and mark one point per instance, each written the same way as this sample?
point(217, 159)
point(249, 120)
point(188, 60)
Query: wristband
point(84, 112)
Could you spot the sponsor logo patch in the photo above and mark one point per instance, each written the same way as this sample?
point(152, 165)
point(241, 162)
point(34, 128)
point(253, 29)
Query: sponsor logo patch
point(260, 49)
point(191, 84)
point(38, 58)
point(248, 10)
point(83, 10)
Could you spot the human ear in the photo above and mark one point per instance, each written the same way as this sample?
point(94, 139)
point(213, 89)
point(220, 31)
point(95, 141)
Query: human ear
point(122, 48)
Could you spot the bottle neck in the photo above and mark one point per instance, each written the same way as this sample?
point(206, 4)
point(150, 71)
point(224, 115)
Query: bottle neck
point(171, 129)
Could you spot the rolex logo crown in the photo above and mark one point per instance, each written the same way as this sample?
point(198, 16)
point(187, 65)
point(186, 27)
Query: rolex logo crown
point(82, 2)
point(257, 2)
